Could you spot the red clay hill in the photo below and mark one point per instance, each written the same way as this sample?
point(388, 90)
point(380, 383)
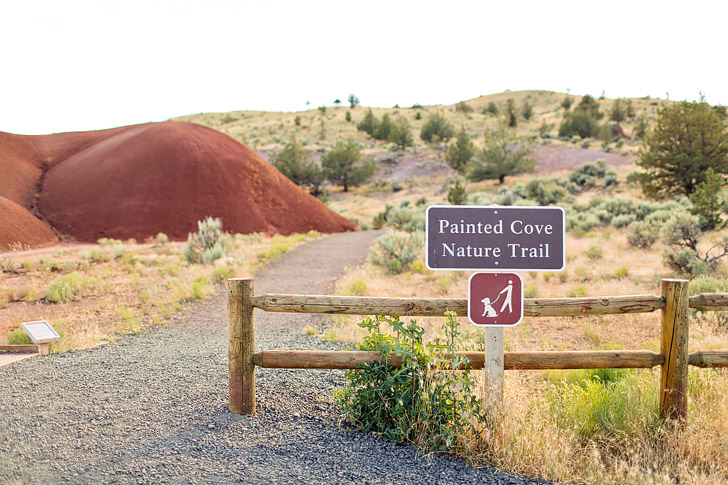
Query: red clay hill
point(137, 181)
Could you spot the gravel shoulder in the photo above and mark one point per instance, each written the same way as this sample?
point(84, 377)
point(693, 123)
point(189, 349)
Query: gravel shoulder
point(152, 407)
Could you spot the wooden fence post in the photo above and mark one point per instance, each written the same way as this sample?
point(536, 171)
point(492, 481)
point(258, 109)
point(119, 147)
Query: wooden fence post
point(241, 346)
point(674, 373)
point(493, 367)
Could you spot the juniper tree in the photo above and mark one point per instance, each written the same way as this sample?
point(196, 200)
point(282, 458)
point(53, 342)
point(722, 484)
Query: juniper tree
point(369, 124)
point(401, 133)
point(436, 128)
point(503, 154)
point(461, 152)
point(344, 165)
point(688, 139)
point(298, 165)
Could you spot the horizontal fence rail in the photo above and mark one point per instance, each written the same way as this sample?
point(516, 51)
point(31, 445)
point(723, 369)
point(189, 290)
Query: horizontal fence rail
point(331, 359)
point(673, 357)
point(25, 349)
point(436, 307)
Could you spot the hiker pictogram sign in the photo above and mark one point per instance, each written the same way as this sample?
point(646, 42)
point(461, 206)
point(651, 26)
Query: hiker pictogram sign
point(495, 299)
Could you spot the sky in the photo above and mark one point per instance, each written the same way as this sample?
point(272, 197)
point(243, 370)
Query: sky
point(77, 65)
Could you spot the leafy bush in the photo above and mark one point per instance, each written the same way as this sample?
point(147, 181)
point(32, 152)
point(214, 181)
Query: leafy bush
point(707, 284)
point(578, 291)
point(425, 402)
point(681, 235)
point(437, 128)
point(579, 123)
point(623, 220)
point(358, 287)
point(396, 250)
point(621, 272)
point(463, 107)
point(491, 108)
point(594, 252)
point(543, 190)
point(221, 273)
point(402, 218)
point(207, 244)
point(65, 288)
point(642, 234)
point(162, 238)
point(18, 337)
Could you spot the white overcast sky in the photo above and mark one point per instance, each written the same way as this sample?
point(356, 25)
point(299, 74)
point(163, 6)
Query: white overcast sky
point(72, 65)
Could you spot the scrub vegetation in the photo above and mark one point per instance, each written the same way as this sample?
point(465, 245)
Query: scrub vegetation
point(93, 293)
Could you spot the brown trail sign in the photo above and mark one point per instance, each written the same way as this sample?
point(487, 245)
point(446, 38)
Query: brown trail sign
point(495, 299)
point(472, 238)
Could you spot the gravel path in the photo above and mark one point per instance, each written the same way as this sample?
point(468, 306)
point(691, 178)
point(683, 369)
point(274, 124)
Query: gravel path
point(152, 408)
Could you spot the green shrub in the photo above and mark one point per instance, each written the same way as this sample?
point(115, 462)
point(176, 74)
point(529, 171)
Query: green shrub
point(623, 220)
point(594, 252)
point(708, 284)
point(200, 289)
point(18, 337)
point(419, 267)
point(621, 272)
point(396, 250)
point(604, 403)
point(437, 128)
point(162, 238)
point(358, 287)
point(207, 244)
point(221, 273)
point(642, 234)
point(65, 288)
point(425, 402)
point(128, 322)
point(463, 107)
point(544, 190)
point(578, 291)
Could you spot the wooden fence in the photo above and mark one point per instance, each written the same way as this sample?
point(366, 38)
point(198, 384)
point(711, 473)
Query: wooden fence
point(673, 357)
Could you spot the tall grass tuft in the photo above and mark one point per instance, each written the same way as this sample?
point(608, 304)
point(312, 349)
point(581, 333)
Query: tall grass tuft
point(66, 287)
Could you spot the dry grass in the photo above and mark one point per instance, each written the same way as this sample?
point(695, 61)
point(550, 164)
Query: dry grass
point(120, 287)
point(269, 131)
point(538, 435)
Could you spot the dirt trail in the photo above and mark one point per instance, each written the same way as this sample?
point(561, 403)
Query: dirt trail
point(153, 407)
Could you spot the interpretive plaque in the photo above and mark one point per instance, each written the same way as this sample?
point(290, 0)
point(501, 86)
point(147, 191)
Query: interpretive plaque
point(40, 332)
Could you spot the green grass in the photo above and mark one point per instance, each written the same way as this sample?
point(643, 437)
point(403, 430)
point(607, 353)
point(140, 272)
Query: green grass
point(18, 337)
point(66, 287)
point(603, 403)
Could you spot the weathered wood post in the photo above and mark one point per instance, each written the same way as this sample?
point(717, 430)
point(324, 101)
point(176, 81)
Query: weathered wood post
point(241, 346)
point(674, 373)
point(493, 367)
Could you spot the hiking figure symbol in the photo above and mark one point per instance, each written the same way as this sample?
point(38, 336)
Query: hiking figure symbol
point(489, 311)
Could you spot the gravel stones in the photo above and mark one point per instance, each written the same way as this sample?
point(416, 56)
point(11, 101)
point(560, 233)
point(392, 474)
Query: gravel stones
point(152, 407)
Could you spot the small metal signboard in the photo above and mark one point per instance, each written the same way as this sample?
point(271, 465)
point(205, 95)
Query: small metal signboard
point(475, 238)
point(495, 299)
point(40, 332)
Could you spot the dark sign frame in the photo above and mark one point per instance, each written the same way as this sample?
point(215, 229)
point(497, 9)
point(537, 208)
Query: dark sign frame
point(495, 238)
